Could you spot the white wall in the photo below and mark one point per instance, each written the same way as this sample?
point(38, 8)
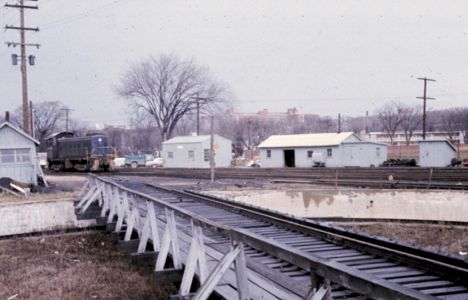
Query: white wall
point(435, 154)
point(23, 172)
point(223, 154)
point(361, 154)
point(300, 155)
point(27, 217)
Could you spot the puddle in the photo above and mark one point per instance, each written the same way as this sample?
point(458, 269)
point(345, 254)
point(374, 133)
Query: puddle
point(385, 204)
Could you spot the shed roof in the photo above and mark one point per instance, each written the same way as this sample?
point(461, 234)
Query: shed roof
point(19, 131)
point(190, 139)
point(306, 140)
point(440, 141)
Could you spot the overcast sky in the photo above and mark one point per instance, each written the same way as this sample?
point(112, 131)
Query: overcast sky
point(321, 57)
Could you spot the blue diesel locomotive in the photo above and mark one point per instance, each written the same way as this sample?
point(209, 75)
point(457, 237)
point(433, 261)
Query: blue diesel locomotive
point(65, 151)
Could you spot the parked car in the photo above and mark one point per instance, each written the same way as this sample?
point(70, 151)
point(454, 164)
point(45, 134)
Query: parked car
point(135, 161)
point(155, 163)
point(119, 162)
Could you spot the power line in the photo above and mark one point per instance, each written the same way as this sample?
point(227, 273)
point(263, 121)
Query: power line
point(83, 15)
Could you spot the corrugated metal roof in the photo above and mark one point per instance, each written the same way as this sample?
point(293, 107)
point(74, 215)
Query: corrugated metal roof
point(6, 124)
point(306, 140)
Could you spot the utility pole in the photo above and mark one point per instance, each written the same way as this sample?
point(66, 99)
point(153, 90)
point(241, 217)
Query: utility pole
point(198, 116)
point(31, 118)
point(367, 122)
point(24, 81)
point(339, 123)
point(425, 98)
point(212, 163)
point(198, 98)
point(249, 122)
point(67, 111)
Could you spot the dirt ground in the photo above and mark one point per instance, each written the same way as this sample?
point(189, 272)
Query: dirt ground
point(72, 266)
point(442, 238)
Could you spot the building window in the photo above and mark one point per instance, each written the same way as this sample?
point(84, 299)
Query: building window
point(329, 152)
point(22, 155)
point(268, 152)
point(7, 156)
point(170, 154)
point(206, 154)
point(309, 153)
point(191, 154)
point(377, 151)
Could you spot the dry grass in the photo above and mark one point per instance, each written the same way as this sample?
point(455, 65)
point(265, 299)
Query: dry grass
point(76, 266)
point(443, 238)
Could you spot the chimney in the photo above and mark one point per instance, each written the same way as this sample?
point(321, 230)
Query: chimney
point(7, 116)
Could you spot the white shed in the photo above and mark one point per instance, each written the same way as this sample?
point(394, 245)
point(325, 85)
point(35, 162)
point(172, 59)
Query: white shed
point(18, 159)
point(194, 151)
point(344, 149)
point(436, 153)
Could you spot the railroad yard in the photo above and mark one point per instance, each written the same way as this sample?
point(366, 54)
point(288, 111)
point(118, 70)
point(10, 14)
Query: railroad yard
point(355, 255)
point(293, 150)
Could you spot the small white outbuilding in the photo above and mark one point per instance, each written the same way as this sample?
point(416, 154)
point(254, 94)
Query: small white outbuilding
point(18, 159)
point(436, 153)
point(194, 151)
point(344, 149)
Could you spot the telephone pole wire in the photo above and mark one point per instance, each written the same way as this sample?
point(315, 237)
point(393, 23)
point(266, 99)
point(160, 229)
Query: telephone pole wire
point(24, 81)
point(425, 98)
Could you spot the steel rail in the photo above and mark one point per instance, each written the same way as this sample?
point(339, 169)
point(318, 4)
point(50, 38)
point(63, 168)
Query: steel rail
point(448, 263)
point(342, 275)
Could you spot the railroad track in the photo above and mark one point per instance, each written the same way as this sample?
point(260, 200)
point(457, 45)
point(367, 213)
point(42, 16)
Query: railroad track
point(405, 272)
point(440, 178)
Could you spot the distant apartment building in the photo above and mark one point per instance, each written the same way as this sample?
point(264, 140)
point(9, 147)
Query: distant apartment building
point(290, 115)
point(455, 137)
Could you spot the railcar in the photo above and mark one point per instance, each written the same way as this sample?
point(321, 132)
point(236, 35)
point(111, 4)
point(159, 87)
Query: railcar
point(65, 151)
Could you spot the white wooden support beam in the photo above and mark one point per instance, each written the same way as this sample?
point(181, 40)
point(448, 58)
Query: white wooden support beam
point(196, 257)
point(105, 199)
point(83, 188)
point(320, 289)
point(131, 224)
point(215, 276)
point(323, 293)
point(144, 236)
point(113, 203)
point(101, 198)
point(202, 265)
point(90, 200)
point(169, 240)
point(122, 212)
point(174, 240)
point(85, 197)
point(154, 227)
point(241, 273)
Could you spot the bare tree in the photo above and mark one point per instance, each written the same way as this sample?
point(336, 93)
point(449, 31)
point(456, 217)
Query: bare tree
point(390, 116)
point(453, 120)
point(411, 117)
point(142, 138)
point(169, 89)
point(47, 117)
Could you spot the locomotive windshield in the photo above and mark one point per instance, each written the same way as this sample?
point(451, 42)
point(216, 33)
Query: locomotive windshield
point(99, 145)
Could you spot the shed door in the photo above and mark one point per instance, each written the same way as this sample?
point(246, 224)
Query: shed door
point(289, 158)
